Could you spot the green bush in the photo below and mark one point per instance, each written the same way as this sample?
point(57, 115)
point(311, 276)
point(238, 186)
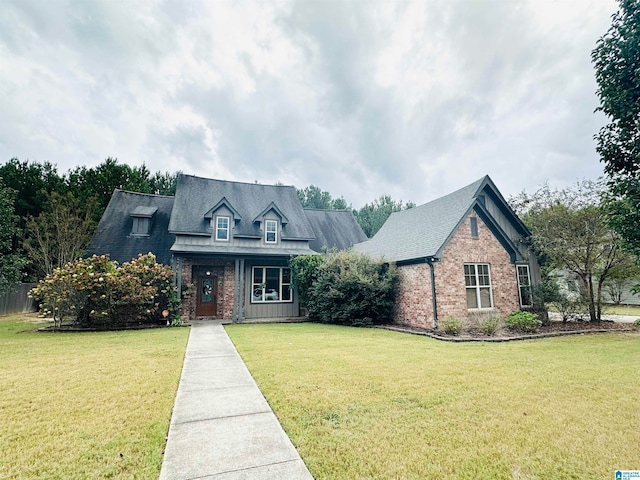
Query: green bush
point(97, 293)
point(490, 324)
point(304, 271)
point(451, 325)
point(349, 288)
point(523, 322)
point(637, 323)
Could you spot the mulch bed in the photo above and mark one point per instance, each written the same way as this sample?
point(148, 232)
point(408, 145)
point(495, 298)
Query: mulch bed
point(555, 329)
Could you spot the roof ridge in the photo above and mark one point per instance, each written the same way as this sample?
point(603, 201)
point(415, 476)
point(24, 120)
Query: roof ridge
point(234, 181)
point(145, 194)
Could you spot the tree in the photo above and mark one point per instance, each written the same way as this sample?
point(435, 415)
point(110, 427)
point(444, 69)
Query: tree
point(313, 197)
point(11, 264)
point(372, 216)
point(60, 234)
point(570, 231)
point(616, 60)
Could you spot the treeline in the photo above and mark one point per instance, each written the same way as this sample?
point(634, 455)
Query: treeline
point(47, 218)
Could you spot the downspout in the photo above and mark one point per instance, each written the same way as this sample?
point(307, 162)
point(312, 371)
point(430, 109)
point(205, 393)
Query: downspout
point(430, 261)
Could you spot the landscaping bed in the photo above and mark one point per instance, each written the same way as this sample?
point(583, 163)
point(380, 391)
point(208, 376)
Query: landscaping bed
point(554, 329)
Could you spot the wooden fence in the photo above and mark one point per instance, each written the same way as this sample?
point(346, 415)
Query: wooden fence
point(16, 300)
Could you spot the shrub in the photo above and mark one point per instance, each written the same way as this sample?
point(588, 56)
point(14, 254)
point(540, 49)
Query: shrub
point(490, 324)
point(451, 325)
point(96, 293)
point(523, 322)
point(304, 272)
point(349, 288)
point(637, 323)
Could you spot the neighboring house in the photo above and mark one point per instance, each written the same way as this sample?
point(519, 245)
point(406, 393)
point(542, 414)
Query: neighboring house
point(228, 242)
point(461, 254)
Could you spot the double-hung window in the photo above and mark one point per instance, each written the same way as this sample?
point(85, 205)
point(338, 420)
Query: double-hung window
point(477, 280)
point(271, 231)
point(140, 226)
point(222, 228)
point(271, 284)
point(524, 285)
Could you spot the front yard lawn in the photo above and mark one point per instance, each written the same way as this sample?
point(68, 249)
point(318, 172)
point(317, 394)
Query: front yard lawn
point(369, 403)
point(85, 405)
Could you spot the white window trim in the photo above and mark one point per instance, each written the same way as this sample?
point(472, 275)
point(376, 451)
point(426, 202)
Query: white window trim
point(267, 231)
point(262, 286)
point(520, 286)
point(477, 288)
point(217, 229)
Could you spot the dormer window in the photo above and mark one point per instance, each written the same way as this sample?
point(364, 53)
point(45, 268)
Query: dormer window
point(271, 231)
point(222, 229)
point(141, 224)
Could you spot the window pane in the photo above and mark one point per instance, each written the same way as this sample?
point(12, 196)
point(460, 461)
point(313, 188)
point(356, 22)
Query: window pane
point(272, 285)
point(472, 301)
point(483, 280)
point(257, 275)
point(286, 275)
point(485, 298)
point(470, 280)
point(525, 295)
point(286, 293)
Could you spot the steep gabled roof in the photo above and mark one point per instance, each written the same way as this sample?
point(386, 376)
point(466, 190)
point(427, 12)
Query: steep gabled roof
point(195, 196)
point(423, 231)
point(334, 228)
point(113, 235)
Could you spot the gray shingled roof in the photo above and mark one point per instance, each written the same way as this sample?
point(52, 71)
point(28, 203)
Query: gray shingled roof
point(334, 228)
point(422, 231)
point(113, 235)
point(196, 196)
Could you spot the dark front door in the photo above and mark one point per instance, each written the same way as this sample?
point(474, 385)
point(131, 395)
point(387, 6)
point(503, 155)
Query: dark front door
point(206, 297)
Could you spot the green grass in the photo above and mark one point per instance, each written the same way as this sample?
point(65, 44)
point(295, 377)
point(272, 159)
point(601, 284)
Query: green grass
point(631, 310)
point(367, 403)
point(85, 405)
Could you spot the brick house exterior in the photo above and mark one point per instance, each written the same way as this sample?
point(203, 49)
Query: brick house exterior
point(460, 255)
point(229, 243)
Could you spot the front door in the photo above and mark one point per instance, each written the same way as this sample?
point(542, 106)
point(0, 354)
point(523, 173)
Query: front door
point(206, 297)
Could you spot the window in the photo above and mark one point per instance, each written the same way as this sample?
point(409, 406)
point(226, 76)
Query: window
point(271, 231)
point(222, 228)
point(474, 227)
point(271, 284)
point(524, 285)
point(478, 283)
point(140, 226)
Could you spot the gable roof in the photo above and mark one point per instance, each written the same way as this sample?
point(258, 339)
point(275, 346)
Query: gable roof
point(334, 228)
point(113, 235)
point(423, 231)
point(195, 197)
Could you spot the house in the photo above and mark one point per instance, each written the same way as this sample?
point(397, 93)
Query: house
point(228, 242)
point(460, 254)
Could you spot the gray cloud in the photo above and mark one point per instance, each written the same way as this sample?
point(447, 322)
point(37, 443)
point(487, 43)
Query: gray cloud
point(413, 99)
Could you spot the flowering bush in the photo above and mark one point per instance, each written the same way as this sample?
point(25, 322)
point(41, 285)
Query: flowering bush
point(97, 293)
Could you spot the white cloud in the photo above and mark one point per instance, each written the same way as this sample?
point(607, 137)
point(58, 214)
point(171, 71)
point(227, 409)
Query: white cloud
point(414, 99)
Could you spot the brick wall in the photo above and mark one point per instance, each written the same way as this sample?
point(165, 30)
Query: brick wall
point(414, 306)
point(224, 270)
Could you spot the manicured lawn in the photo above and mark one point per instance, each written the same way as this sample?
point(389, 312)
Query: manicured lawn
point(631, 310)
point(85, 405)
point(365, 403)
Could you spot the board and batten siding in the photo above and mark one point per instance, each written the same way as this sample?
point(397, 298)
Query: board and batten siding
point(267, 310)
point(505, 224)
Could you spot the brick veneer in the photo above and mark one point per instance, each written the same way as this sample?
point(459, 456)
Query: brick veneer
point(414, 303)
point(224, 270)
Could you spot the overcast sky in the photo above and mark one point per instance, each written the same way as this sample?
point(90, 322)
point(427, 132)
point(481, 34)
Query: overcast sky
point(413, 99)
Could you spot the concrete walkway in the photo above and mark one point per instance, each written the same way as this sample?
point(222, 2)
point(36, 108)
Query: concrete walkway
point(222, 428)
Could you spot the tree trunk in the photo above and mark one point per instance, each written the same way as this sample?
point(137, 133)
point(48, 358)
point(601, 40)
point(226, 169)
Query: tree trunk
point(588, 282)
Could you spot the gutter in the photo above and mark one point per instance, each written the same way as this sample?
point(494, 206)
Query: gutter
point(430, 261)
